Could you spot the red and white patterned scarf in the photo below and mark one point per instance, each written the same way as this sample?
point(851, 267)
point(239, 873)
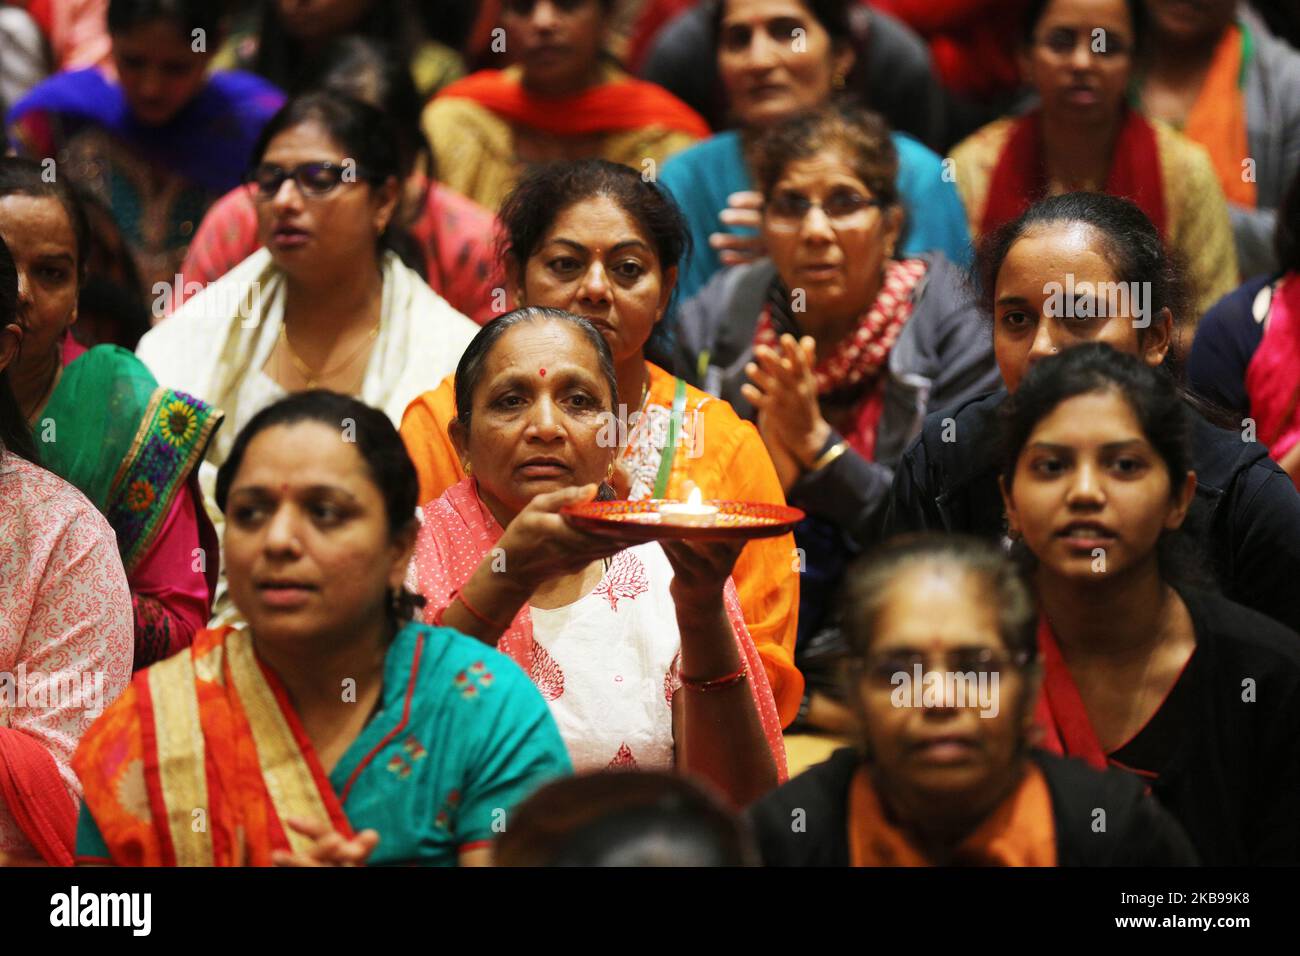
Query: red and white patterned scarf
point(859, 356)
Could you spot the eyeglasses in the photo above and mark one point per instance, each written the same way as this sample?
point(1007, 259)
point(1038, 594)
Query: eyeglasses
point(313, 179)
point(1061, 43)
point(787, 211)
point(880, 668)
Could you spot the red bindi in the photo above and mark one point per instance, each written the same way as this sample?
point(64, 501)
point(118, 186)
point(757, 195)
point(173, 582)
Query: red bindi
point(542, 372)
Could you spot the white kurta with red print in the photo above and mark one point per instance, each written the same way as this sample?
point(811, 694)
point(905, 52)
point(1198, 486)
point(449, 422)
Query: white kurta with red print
point(607, 665)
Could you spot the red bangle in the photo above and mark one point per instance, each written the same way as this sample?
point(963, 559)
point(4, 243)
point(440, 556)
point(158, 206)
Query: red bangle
point(718, 682)
point(477, 614)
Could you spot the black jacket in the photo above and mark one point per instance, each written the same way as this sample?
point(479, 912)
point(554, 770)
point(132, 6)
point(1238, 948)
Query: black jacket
point(1230, 771)
point(1246, 513)
point(1138, 832)
point(943, 355)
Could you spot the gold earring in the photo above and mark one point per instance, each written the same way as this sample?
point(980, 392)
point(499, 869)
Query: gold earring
point(609, 472)
point(469, 469)
point(837, 81)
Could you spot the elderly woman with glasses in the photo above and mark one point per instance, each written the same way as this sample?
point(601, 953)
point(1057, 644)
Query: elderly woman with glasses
point(325, 303)
point(834, 347)
point(942, 679)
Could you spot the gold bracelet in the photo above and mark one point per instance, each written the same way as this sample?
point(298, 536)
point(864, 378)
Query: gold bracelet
point(830, 455)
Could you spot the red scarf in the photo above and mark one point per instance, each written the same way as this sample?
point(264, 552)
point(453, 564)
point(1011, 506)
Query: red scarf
point(859, 357)
point(618, 106)
point(1273, 375)
point(34, 792)
point(1020, 178)
point(1067, 731)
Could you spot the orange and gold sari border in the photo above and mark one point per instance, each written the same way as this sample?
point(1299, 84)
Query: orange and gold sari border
point(289, 779)
point(181, 758)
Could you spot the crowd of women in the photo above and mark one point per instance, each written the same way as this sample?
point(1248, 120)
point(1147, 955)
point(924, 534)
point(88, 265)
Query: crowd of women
point(314, 317)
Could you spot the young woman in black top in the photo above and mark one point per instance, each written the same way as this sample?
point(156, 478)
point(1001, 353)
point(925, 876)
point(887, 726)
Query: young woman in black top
point(1143, 670)
point(1039, 278)
point(950, 778)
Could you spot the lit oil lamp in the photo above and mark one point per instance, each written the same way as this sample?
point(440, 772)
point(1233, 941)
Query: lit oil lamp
point(692, 511)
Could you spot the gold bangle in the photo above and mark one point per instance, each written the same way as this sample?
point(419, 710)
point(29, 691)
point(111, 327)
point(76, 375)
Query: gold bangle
point(830, 455)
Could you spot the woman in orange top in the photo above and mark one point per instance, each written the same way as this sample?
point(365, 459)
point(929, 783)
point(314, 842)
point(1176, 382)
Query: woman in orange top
point(595, 239)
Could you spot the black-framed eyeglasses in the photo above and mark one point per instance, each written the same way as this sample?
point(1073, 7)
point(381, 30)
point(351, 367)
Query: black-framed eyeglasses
point(788, 210)
point(313, 179)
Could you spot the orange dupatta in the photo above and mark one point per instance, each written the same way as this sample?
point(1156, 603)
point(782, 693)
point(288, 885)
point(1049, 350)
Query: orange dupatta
point(202, 761)
point(618, 106)
point(1020, 832)
point(1217, 120)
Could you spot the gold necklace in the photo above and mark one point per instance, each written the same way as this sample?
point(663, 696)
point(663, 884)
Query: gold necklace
point(313, 378)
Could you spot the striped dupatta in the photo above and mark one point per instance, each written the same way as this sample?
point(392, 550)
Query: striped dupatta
point(202, 761)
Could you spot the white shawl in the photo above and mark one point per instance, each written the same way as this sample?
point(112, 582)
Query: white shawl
point(215, 345)
point(221, 337)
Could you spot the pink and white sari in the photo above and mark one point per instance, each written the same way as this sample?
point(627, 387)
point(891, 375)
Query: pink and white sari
point(458, 531)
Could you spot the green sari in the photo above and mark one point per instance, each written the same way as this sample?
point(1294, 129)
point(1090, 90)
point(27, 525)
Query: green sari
point(128, 444)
